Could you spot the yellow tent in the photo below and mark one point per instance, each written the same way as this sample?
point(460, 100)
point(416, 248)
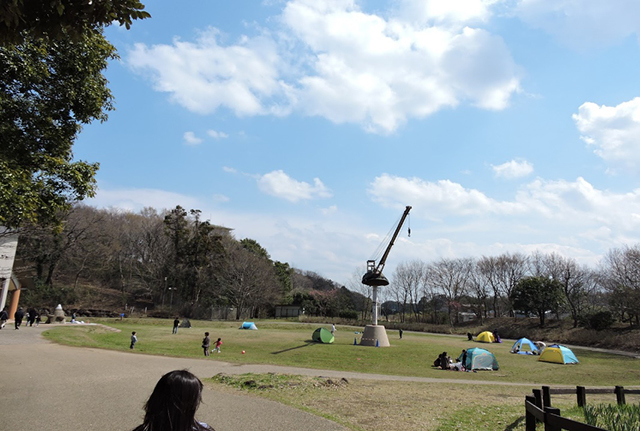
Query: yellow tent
point(486, 337)
point(558, 354)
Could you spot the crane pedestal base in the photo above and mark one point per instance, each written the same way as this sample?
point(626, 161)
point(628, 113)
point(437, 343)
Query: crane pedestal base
point(375, 336)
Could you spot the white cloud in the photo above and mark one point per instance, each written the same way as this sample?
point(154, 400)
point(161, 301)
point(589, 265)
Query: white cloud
point(190, 138)
point(330, 210)
point(392, 69)
point(583, 23)
point(567, 203)
point(513, 169)
point(220, 198)
point(204, 75)
point(614, 131)
point(217, 135)
point(442, 197)
point(229, 170)
point(281, 185)
point(459, 12)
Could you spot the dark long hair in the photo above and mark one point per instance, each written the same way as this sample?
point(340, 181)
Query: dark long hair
point(173, 403)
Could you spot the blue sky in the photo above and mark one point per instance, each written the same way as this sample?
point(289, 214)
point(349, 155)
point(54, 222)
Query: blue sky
point(308, 125)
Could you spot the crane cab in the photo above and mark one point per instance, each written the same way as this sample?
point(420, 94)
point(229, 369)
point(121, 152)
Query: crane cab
point(372, 277)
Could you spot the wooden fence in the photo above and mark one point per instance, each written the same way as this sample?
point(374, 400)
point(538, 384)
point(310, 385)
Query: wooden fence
point(538, 407)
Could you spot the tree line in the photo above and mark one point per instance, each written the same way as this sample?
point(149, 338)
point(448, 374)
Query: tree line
point(175, 261)
point(170, 260)
point(539, 284)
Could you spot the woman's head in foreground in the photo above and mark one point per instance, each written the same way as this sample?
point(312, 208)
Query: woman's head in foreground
point(173, 403)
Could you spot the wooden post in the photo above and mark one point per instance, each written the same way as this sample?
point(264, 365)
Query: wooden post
point(547, 425)
point(546, 396)
point(530, 420)
point(581, 394)
point(619, 391)
point(538, 394)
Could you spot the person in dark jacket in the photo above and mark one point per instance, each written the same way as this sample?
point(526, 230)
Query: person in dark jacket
point(32, 316)
point(17, 317)
point(176, 322)
point(206, 343)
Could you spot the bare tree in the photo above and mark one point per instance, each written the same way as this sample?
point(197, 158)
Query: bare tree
point(355, 284)
point(480, 289)
point(503, 273)
point(620, 274)
point(408, 279)
point(247, 280)
point(576, 282)
point(451, 277)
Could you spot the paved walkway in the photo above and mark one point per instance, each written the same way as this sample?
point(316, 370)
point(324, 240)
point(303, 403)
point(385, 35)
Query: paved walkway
point(52, 387)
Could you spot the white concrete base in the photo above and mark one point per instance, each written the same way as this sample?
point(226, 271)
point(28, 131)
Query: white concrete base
point(375, 336)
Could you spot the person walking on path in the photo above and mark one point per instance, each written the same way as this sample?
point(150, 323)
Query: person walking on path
point(206, 343)
point(176, 322)
point(32, 316)
point(216, 347)
point(134, 340)
point(18, 316)
point(4, 316)
point(173, 403)
point(400, 331)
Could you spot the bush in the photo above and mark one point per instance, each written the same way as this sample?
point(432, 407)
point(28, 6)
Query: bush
point(613, 417)
point(348, 314)
point(44, 295)
point(598, 321)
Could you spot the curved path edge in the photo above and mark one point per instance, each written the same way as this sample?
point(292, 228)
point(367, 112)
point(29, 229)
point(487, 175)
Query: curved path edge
point(51, 386)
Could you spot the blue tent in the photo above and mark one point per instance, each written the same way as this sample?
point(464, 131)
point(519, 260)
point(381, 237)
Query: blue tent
point(480, 359)
point(248, 325)
point(524, 346)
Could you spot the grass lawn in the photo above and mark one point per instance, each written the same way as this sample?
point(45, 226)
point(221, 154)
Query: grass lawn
point(291, 345)
point(370, 405)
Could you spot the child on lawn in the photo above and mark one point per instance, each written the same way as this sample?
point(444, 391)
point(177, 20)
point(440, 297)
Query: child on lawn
point(134, 340)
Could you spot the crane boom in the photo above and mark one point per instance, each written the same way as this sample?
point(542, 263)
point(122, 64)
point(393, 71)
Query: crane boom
point(374, 276)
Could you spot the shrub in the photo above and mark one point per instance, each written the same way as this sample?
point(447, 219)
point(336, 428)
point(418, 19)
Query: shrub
point(613, 417)
point(348, 314)
point(598, 321)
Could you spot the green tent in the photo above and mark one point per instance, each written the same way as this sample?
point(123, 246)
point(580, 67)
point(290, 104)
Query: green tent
point(480, 359)
point(322, 335)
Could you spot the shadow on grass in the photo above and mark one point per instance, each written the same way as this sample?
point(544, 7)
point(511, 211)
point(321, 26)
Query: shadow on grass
point(306, 344)
point(515, 424)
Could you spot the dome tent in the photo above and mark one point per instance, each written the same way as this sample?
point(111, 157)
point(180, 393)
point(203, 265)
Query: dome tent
point(480, 359)
point(525, 346)
point(322, 335)
point(558, 354)
point(248, 325)
point(486, 337)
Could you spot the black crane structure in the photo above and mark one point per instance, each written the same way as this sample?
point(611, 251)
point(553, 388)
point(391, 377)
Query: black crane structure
point(374, 277)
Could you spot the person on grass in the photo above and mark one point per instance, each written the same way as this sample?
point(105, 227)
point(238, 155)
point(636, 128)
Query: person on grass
point(216, 346)
point(176, 322)
point(134, 340)
point(206, 343)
